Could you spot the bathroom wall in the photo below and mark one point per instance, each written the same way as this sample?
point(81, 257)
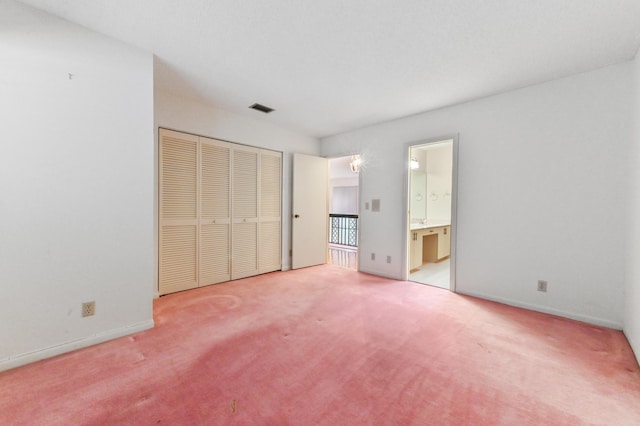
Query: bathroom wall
point(418, 202)
point(431, 183)
point(438, 197)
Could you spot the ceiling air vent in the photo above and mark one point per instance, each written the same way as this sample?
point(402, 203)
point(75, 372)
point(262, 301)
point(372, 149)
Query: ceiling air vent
point(262, 108)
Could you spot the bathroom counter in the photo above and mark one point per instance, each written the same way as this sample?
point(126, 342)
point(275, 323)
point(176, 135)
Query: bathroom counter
point(434, 224)
point(429, 243)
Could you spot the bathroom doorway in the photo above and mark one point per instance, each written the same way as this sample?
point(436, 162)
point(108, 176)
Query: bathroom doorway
point(431, 218)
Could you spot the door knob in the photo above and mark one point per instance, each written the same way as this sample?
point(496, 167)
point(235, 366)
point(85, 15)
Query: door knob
point(296, 216)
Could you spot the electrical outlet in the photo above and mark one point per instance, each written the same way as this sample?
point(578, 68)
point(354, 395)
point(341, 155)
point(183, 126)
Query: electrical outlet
point(542, 286)
point(88, 309)
point(373, 256)
point(388, 259)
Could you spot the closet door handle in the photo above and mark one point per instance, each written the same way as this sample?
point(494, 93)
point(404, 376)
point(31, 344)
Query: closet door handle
point(296, 216)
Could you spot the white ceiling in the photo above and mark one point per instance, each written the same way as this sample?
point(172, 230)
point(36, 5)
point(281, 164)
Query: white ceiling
point(329, 66)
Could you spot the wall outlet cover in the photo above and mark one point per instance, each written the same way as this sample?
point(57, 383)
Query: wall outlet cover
point(88, 309)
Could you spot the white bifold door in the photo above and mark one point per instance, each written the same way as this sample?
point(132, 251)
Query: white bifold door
point(220, 211)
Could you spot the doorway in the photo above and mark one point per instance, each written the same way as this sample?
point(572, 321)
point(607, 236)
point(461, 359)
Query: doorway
point(431, 213)
point(344, 204)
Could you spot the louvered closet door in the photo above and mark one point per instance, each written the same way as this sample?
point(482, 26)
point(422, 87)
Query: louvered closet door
point(244, 240)
point(270, 217)
point(215, 211)
point(178, 176)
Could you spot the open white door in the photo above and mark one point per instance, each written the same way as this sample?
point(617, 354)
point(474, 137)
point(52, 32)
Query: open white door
point(310, 211)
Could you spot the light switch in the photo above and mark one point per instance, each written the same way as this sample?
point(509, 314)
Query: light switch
point(375, 205)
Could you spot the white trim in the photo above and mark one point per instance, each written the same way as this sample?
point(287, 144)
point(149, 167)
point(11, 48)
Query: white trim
point(546, 310)
point(381, 274)
point(360, 216)
point(633, 345)
point(29, 357)
point(359, 224)
point(454, 215)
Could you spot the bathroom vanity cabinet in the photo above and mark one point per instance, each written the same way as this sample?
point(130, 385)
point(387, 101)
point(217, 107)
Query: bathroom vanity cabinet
point(429, 244)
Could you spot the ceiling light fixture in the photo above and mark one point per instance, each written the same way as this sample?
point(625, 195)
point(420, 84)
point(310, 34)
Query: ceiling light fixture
point(355, 163)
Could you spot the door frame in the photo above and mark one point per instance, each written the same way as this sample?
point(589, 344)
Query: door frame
point(359, 201)
point(454, 204)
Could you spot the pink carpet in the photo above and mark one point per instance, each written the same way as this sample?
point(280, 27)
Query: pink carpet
point(330, 346)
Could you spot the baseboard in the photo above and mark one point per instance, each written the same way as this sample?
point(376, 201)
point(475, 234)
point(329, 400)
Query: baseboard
point(544, 309)
point(27, 358)
point(379, 274)
point(635, 348)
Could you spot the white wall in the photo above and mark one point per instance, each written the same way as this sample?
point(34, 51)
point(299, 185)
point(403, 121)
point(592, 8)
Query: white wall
point(76, 186)
point(343, 193)
point(344, 199)
point(542, 173)
point(632, 293)
point(187, 115)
